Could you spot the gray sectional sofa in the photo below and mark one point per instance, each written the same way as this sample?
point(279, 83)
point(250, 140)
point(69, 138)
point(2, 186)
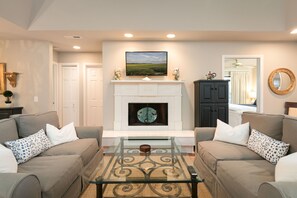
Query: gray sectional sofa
point(235, 171)
point(61, 171)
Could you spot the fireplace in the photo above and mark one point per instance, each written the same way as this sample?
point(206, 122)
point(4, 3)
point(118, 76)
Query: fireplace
point(157, 101)
point(143, 114)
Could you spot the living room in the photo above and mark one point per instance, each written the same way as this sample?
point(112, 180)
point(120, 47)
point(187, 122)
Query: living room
point(35, 43)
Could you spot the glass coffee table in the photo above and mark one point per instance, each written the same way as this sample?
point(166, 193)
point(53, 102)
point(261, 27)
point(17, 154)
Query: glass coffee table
point(146, 167)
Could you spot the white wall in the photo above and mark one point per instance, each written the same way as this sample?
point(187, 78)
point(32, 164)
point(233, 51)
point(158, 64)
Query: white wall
point(195, 59)
point(81, 59)
point(33, 60)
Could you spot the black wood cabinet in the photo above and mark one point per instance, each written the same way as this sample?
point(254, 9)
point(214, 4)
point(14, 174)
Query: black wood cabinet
point(5, 112)
point(211, 102)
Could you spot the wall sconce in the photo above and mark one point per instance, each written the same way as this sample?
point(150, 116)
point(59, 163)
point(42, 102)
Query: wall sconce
point(12, 77)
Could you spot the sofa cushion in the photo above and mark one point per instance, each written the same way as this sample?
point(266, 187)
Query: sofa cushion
point(270, 149)
point(285, 169)
point(59, 136)
point(8, 163)
point(290, 133)
point(85, 148)
point(271, 125)
point(236, 135)
point(8, 130)
point(243, 178)
point(213, 151)
point(29, 147)
point(29, 124)
point(55, 173)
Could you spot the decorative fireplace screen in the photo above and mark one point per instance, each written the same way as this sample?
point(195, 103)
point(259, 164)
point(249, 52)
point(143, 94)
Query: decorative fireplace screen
point(148, 114)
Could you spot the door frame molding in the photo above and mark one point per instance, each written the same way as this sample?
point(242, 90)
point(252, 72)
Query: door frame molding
point(60, 66)
point(54, 80)
point(260, 77)
point(85, 66)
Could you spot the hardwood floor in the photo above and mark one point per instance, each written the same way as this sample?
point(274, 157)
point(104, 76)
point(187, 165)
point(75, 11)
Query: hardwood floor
point(203, 192)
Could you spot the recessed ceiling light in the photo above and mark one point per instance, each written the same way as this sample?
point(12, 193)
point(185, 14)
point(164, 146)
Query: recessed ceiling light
point(294, 31)
point(76, 47)
point(170, 36)
point(128, 35)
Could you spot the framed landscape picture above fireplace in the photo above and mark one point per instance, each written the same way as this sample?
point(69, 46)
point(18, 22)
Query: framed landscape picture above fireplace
point(146, 63)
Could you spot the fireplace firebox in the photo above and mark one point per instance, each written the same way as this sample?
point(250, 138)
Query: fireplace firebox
point(153, 114)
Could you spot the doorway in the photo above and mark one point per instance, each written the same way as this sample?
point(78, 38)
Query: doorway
point(93, 90)
point(244, 73)
point(68, 92)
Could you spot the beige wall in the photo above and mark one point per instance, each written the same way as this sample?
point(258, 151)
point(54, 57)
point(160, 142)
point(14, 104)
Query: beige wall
point(77, 57)
point(32, 59)
point(195, 59)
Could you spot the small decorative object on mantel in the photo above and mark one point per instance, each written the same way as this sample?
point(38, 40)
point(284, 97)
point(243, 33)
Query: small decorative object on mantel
point(117, 74)
point(12, 77)
point(176, 74)
point(7, 94)
point(210, 75)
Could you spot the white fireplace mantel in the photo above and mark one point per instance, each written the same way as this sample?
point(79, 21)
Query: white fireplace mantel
point(152, 91)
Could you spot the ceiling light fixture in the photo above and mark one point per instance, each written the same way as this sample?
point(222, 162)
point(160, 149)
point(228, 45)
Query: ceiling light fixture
point(128, 35)
point(76, 47)
point(170, 36)
point(294, 31)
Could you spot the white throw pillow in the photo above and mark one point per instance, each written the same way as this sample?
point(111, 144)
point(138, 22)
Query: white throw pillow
point(26, 148)
point(267, 147)
point(236, 135)
point(8, 163)
point(66, 134)
point(285, 169)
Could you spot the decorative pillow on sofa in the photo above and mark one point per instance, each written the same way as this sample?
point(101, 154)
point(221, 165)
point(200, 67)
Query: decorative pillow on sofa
point(66, 134)
point(236, 135)
point(285, 169)
point(26, 148)
point(270, 149)
point(8, 163)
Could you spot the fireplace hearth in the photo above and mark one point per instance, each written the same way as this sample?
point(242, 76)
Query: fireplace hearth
point(143, 114)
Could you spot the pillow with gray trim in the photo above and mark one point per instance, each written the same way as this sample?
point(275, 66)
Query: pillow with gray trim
point(26, 148)
point(268, 148)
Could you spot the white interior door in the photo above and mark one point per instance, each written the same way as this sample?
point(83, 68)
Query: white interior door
point(69, 94)
point(93, 96)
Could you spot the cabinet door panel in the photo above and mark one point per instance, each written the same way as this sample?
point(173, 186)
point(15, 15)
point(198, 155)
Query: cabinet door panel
point(222, 112)
point(206, 115)
point(222, 92)
point(207, 92)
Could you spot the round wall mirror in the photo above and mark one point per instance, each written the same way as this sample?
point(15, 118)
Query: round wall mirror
point(281, 81)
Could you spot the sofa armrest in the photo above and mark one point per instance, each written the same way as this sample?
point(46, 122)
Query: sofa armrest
point(17, 185)
point(203, 134)
point(277, 190)
point(90, 132)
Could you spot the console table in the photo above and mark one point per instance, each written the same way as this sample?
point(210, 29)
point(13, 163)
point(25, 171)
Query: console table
point(5, 112)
